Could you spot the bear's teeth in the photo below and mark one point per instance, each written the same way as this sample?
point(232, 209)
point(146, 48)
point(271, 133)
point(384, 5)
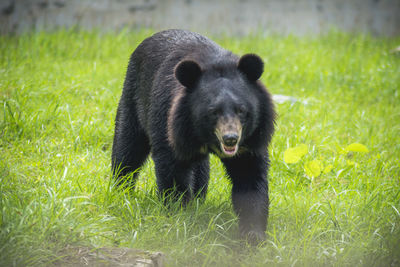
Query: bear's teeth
point(229, 150)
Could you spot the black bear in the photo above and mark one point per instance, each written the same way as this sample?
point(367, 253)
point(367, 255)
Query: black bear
point(185, 97)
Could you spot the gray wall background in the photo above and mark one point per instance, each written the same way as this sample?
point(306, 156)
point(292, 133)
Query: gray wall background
point(378, 17)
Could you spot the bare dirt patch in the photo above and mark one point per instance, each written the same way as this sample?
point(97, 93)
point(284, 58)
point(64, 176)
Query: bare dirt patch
point(109, 256)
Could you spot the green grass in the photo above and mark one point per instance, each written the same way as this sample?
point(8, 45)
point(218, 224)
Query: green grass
point(59, 92)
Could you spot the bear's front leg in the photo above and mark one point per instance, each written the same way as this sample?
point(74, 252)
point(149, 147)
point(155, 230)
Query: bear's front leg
point(173, 176)
point(250, 194)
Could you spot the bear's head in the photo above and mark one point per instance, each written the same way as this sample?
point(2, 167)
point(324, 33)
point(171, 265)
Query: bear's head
point(222, 102)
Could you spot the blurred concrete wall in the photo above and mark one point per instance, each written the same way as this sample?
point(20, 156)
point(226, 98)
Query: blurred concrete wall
point(379, 17)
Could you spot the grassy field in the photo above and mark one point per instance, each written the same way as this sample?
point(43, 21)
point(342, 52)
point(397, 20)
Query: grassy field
point(333, 206)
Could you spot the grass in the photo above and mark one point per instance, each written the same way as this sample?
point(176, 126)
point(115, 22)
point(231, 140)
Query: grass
point(59, 92)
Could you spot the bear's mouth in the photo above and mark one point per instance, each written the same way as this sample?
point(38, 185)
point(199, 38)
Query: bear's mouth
point(229, 151)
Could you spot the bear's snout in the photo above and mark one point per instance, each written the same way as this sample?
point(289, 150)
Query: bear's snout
point(230, 139)
point(228, 132)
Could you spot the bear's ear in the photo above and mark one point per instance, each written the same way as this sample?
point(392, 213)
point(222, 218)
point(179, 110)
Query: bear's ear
point(188, 72)
point(252, 66)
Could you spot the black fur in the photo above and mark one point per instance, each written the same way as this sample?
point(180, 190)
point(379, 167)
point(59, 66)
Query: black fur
point(178, 84)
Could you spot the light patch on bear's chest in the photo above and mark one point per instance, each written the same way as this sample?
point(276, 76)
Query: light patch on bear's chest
point(203, 150)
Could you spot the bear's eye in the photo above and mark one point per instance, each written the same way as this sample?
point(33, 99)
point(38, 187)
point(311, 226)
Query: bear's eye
point(213, 111)
point(240, 110)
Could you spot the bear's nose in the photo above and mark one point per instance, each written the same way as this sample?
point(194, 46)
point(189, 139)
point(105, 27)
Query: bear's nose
point(230, 139)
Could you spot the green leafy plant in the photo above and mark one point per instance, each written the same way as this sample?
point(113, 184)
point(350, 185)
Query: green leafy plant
point(314, 168)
